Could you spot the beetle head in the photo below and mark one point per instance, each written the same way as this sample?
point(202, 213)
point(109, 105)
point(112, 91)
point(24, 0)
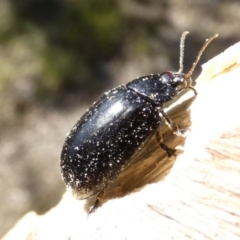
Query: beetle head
point(174, 79)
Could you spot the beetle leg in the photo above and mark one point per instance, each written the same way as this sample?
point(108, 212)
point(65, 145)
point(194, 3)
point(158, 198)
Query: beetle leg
point(174, 127)
point(168, 150)
point(97, 201)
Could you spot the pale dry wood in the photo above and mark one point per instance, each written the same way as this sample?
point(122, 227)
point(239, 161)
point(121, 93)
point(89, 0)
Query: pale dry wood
point(193, 196)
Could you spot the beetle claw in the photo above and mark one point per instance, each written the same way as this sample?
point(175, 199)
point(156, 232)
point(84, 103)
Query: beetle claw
point(97, 202)
point(94, 207)
point(170, 151)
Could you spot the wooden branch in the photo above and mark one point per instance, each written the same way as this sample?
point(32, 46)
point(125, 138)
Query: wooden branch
point(193, 196)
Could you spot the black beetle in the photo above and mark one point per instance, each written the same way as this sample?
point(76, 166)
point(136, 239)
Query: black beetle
point(116, 127)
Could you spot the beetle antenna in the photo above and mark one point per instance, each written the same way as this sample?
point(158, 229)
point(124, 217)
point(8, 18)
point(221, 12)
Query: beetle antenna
point(182, 42)
point(189, 74)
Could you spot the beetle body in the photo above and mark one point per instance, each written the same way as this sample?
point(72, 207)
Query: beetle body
point(113, 131)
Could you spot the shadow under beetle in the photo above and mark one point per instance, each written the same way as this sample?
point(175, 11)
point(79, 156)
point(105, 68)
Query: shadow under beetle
point(116, 128)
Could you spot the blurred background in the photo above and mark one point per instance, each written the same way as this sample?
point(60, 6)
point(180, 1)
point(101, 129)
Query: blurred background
point(58, 56)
